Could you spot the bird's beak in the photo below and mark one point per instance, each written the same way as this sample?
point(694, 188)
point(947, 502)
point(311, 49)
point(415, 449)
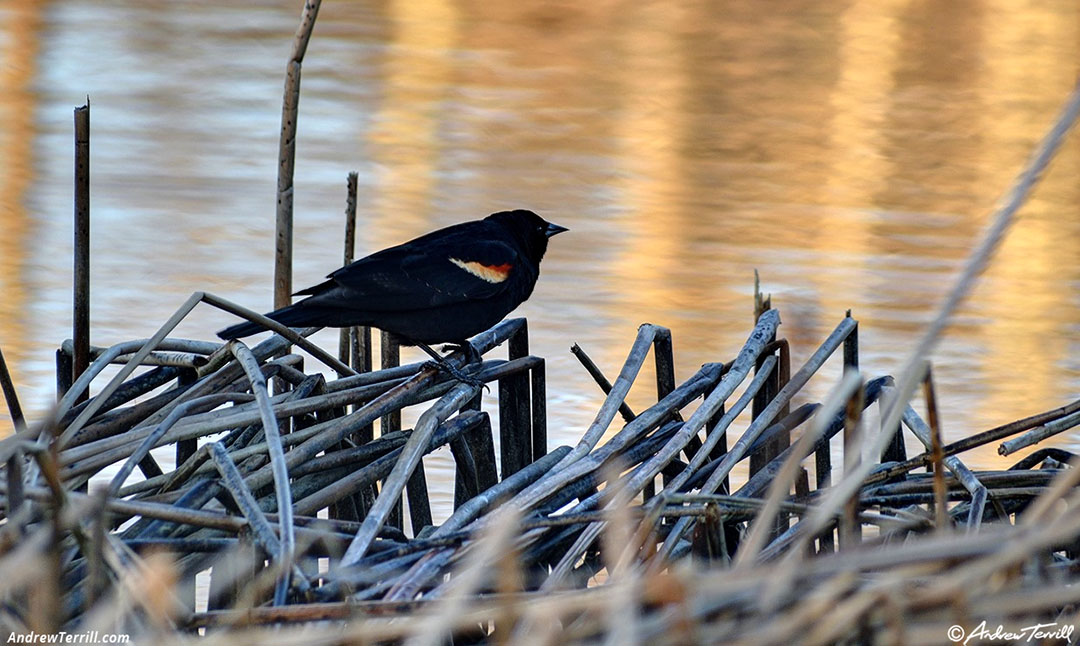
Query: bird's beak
point(553, 229)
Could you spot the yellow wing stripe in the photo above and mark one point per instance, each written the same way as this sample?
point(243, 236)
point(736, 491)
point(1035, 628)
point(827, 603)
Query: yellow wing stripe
point(490, 273)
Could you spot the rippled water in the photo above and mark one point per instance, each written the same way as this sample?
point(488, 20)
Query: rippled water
point(850, 152)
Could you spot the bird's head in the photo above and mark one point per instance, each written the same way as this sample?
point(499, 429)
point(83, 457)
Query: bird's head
point(529, 229)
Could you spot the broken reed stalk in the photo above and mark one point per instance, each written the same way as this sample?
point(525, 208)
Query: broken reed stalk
point(82, 385)
point(634, 360)
point(602, 381)
point(290, 112)
point(187, 353)
point(209, 402)
point(963, 474)
point(974, 441)
point(430, 629)
point(410, 457)
point(564, 472)
point(763, 332)
point(1039, 434)
point(159, 337)
point(81, 281)
point(390, 357)
point(233, 481)
point(738, 450)
point(11, 397)
point(796, 539)
point(849, 388)
point(718, 473)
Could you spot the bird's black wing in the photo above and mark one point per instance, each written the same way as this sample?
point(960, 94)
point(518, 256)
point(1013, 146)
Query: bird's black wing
point(411, 276)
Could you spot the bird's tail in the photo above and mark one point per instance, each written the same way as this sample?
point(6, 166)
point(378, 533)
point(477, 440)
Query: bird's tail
point(300, 314)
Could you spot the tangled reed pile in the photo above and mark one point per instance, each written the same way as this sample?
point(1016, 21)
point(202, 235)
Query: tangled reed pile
point(293, 506)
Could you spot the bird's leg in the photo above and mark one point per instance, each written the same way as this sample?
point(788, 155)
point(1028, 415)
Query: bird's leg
point(442, 365)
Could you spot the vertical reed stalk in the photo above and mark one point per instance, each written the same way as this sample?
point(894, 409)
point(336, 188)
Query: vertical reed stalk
point(81, 323)
point(850, 529)
point(347, 337)
point(941, 514)
point(290, 110)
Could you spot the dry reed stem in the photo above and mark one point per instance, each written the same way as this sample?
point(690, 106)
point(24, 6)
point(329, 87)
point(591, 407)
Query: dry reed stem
point(594, 371)
point(736, 452)
point(634, 359)
point(740, 369)
point(150, 345)
point(620, 556)
point(966, 477)
point(1038, 434)
point(346, 334)
point(143, 450)
point(411, 453)
point(849, 386)
point(81, 255)
point(445, 615)
point(698, 460)
point(279, 468)
point(290, 113)
point(7, 386)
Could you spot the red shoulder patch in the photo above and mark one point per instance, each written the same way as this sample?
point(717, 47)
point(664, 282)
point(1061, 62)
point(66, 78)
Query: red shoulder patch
point(490, 273)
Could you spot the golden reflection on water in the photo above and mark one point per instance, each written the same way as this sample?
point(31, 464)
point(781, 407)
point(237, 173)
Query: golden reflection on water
point(652, 85)
point(18, 50)
point(850, 151)
point(854, 159)
point(406, 140)
point(1018, 293)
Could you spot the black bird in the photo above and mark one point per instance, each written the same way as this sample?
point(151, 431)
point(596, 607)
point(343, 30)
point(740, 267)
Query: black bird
point(442, 287)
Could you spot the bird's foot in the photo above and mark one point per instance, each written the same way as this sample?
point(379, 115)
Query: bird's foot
point(471, 354)
point(456, 373)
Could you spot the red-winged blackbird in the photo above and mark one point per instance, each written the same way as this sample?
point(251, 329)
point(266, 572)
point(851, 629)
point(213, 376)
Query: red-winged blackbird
point(441, 287)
